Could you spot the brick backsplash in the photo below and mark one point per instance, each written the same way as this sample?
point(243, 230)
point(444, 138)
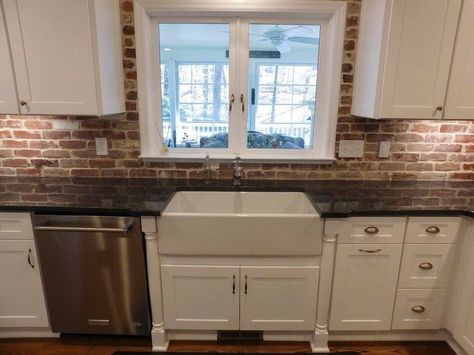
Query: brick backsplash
point(420, 150)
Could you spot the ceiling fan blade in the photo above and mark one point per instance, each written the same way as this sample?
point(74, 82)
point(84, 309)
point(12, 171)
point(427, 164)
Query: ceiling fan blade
point(298, 31)
point(283, 47)
point(305, 40)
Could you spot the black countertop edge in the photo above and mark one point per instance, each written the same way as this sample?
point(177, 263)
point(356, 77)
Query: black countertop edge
point(399, 213)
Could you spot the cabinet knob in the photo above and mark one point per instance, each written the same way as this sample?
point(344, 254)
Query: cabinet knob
point(23, 103)
point(418, 309)
point(426, 266)
point(439, 108)
point(371, 230)
point(432, 229)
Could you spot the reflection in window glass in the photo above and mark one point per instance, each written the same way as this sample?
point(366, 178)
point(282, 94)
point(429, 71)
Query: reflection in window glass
point(195, 82)
point(282, 85)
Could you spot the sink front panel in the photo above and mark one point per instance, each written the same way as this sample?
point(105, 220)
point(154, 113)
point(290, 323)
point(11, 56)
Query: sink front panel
point(240, 235)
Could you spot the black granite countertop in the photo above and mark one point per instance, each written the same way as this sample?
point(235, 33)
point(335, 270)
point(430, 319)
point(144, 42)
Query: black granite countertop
point(138, 197)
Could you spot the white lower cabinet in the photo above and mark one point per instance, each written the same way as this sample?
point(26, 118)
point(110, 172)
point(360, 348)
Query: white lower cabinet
point(263, 297)
point(418, 309)
point(201, 297)
point(22, 302)
point(461, 308)
point(365, 283)
point(278, 298)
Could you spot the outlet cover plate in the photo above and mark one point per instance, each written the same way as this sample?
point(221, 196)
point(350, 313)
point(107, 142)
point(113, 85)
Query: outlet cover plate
point(101, 146)
point(351, 149)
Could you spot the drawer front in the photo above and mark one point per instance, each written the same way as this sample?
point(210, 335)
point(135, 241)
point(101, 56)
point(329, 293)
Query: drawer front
point(433, 229)
point(15, 226)
point(368, 229)
point(418, 309)
point(426, 265)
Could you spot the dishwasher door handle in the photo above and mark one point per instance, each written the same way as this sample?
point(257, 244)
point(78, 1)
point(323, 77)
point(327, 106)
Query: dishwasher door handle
point(84, 229)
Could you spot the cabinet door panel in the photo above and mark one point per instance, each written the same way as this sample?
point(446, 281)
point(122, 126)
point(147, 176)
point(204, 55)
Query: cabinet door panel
point(432, 229)
point(21, 295)
point(52, 50)
point(461, 308)
point(201, 297)
point(460, 97)
point(8, 97)
point(278, 298)
point(365, 282)
point(419, 50)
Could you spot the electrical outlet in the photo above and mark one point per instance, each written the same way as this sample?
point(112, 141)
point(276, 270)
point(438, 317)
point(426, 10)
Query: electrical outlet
point(384, 149)
point(351, 149)
point(101, 146)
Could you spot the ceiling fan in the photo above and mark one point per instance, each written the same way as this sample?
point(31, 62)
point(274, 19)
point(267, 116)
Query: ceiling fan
point(281, 38)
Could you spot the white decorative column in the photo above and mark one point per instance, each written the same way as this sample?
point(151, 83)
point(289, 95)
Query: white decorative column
point(319, 343)
point(158, 335)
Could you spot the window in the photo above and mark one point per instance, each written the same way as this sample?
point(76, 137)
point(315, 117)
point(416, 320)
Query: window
point(285, 102)
point(265, 87)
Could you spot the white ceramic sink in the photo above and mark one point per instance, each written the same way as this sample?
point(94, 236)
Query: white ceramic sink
point(240, 223)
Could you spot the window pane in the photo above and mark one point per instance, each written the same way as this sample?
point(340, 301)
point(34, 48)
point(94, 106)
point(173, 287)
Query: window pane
point(282, 85)
point(196, 84)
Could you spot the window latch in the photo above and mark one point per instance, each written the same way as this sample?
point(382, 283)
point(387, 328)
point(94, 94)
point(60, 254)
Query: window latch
point(231, 101)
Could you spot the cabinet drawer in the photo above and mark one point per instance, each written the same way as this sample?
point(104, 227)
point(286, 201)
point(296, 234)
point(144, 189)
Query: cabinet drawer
point(367, 229)
point(15, 226)
point(426, 265)
point(432, 229)
point(418, 309)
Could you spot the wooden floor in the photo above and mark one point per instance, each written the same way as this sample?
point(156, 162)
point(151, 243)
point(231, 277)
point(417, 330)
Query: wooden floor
point(81, 345)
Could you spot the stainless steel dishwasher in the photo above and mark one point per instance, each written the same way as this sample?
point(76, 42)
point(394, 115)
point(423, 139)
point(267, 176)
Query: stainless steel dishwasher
point(94, 276)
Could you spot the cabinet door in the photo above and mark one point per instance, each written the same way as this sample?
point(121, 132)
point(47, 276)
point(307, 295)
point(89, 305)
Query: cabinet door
point(200, 297)
point(365, 282)
point(278, 298)
point(463, 305)
point(460, 98)
point(8, 97)
point(21, 295)
point(52, 50)
point(420, 45)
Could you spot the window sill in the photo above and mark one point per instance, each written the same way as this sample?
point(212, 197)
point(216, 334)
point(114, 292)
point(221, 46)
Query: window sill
point(230, 158)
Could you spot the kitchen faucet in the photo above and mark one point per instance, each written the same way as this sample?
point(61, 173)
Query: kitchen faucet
point(237, 171)
point(207, 170)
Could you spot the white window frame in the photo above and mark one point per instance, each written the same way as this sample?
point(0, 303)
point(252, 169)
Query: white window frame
point(331, 15)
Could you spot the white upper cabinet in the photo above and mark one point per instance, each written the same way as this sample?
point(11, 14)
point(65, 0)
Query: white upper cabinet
point(66, 56)
point(404, 56)
point(8, 97)
point(460, 97)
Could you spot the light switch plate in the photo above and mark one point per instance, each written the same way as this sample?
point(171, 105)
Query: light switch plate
point(101, 146)
point(384, 149)
point(351, 149)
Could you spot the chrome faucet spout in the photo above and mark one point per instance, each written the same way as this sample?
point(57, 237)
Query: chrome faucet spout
point(207, 170)
point(237, 171)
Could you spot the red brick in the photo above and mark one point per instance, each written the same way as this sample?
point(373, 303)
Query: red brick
point(85, 172)
point(451, 128)
point(38, 124)
point(56, 153)
point(72, 144)
point(15, 163)
point(26, 135)
point(14, 144)
point(405, 156)
point(56, 134)
point(5, 134)
point(102, 163)
point(464, 138)
point(448, 148)
point(434, 156)
point(28, 153)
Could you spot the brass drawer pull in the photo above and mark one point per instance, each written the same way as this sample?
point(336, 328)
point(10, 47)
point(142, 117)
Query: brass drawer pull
point(432, 229)
point(418, 309)
point(371, 230)
point(370, 251)
point(426, 266)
